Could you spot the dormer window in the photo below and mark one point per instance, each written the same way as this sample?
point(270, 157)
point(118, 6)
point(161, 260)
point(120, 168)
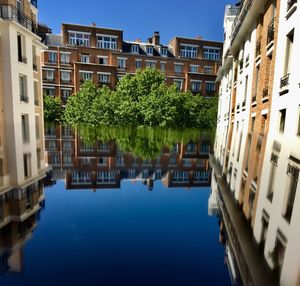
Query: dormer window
point(107, 42)
point(135, 49)
point(150, 50)
point(164, 52)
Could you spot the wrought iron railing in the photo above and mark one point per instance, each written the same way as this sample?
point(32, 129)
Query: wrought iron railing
point(265, 92)
point(10, 12)
point(239, 19)
point(284, 81)
point(290, 4)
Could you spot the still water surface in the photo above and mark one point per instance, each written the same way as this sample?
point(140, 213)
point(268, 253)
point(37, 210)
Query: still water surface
point(147, 229)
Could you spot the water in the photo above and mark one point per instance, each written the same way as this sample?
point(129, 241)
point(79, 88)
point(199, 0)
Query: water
point(144, 225)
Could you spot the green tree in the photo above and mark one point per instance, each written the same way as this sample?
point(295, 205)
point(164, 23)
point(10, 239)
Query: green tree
point(52, 109)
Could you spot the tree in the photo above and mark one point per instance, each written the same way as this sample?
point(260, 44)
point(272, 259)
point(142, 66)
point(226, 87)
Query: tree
point(52, 109)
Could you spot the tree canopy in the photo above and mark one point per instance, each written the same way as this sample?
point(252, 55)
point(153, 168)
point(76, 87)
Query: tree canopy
point(142, 99)
point(52, 109)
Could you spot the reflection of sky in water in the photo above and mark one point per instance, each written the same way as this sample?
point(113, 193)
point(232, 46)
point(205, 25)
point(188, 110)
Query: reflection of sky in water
point(128, 236)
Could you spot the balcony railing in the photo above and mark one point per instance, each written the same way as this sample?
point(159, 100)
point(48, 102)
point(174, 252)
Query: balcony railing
point(10, 12)
point(290, 4)
point(239, 19)
point(284, 81)
point(271, 31)
point(254, 98)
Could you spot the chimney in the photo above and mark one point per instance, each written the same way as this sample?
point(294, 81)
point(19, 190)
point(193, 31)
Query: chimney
point(138, 40)
point(93, 24)
point(198, 37)
point(156, 38)
point(149, 41)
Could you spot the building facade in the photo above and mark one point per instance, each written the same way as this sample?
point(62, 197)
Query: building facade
point(257, 140)
point(82, 53)
point(21, 106)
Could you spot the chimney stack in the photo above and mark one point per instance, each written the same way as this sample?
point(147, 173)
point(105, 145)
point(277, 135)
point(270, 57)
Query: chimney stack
point(149, 41)
point(93, 24)
point(156, 38)
point(198, 37)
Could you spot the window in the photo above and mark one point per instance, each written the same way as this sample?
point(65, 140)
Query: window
point(25, 127)
point(162, 67)
point(37, 127)
point(298, 131)
point(196, 85)
point(81, 177)
point(150, 64)
point(164, 52)
point(180, 176)
point(27, 165)
point(79, 39)
point(150, 50)
point(212, 53)
point(21, 48)
point(84, 76)
point(188, 51)
point(104, 78)
point(85, 59)
point(64, 58)
point(1, 172)
point(121, 63)
point(138, 64)
point(36, 94)
point(65, 93)
point(103, 161)
point(52, 57)
point(23, 88)
point(282, 115)
point(67, 145)
point(178, 68)
point(34, 58)
point(103, 61)
point(179, 83)
point(209, 87)
point(201, 176)
point(67, 159)
point(65, 76)
point(106, 177)
point(194, 68)
point(107, 42)
point(39, 158)
point(49, 75)
point(288, 52)
point(135, 49)
point(273, 161)
point(293, 175)
point(49, 91)
point(208, 69)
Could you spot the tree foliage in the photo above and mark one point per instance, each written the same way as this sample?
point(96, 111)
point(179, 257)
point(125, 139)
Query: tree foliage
point(142, 99)
point(52, 109)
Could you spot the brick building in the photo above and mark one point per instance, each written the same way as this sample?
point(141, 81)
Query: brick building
point(82, 53)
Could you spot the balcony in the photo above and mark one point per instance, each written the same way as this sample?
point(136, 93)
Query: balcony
point(258, 48)
point(239, 19)
point(271, 33)
point(10, 12)
point(284, 81)
point(290, 4)
point(254, 98)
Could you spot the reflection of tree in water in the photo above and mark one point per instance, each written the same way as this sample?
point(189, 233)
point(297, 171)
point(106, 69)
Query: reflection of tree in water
point(144, 142)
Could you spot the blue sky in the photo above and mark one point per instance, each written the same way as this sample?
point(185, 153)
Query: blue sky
point(139, 19)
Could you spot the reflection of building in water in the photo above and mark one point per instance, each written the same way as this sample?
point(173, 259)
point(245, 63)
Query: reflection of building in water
point(19, 212)
point(103, 165)
point(21, 115)
point(257, 141)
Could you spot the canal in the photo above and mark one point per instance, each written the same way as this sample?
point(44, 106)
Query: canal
point(121, 206)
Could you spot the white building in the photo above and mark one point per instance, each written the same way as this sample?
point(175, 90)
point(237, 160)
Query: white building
point(278, 210)
point(21, 105)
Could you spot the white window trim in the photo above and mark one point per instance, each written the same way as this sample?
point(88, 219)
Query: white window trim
point(68, 53)
point(150, 61)
point(105, 73)
point(189, 45)
point(211, 47)
point(79, 32)
point(65, 71)
point(66, 88)
point(107, 35)
point(179, 64)
point(48, 69)
point(81, 71)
